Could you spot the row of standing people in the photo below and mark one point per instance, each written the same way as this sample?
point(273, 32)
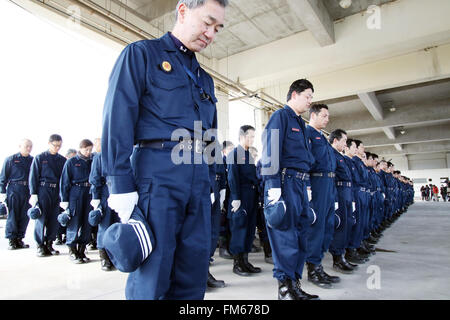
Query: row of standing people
point(60, 194)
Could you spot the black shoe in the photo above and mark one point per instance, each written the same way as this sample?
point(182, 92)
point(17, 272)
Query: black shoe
point(13, 244)
point(42, 251)
point(223, 253)
point(105, 262)
point(239, 266)
point(332, 279)
point(213, 283)
point(371, 240)
point(21, 244)
point(82, 253)
point(340, 265)
point(300, 294)
point(51, 249)
point(352, 256)
point(251, 268)
point(92, 245)
point(316, 277)
point(286, 290)
point(74, 255)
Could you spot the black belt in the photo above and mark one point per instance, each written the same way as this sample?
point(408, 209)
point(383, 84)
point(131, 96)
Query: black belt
point(22, 183)
point(362, 189)
point(47, 184)
point(82, 184)
point(195, 145)
point(378, 189)
point(343, 184)
point(217, 177)
point(323, 174)
point(296, 173)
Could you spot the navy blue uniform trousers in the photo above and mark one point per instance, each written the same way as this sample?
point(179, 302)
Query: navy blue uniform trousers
point(109, 217)
point(176, 202)
point(215, 218)
point(355, 233)
point(17, 197)
point(78, 227)
point(46, 226)
point(321, 232)
point(242, 236)
point(344, 212)
point(290, 243)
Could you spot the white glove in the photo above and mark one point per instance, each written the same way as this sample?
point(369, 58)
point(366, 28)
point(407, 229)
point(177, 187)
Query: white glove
point(273, 195)
point(95, 203)
point(308, 189)
point(123, 204)
point(353, 206)
point(2, 197)
point(336, 206)
point(315, 216)
point(235, 205)
point(222, 197)
point(33, 200)
point(384, 196)
point(213, 198)
point(64, 205)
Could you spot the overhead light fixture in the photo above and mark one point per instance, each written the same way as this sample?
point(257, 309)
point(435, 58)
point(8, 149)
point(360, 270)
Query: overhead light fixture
point(403, 131)
point(392, 109)
point(345, 3)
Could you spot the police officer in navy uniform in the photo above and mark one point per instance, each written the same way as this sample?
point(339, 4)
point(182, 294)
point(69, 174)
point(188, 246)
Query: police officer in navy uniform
point(224, 235)
point(352, 255)
point(323, 197)
point(286, 162)
point(343, 203)
point(156, 87)
point(243, 184)
point(218, 185)
point(15, 194)
point(99, 192)
point(75, 196)
point(44, 179)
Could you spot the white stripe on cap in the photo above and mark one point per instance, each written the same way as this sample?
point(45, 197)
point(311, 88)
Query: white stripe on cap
point(143, 236)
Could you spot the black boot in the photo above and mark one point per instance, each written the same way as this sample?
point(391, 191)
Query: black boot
point(351, 265)
point(74, 255)
point(51, 249)
point(332, 279)
point(251, 268)
point(21, 244)
point(315, 276)
point(105, 262)
point(59, 241)
point(213, 283)
point(223, 251)
point(12, 244)
point(82, 253)
point(291, 290)
point(239, 266)
point(352, 256)
point(42, 250)
point(340, 265)
point(267, 252)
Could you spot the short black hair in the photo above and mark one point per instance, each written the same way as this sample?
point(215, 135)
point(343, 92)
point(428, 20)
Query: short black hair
point(349, 142)
point(226, 144)
point(86, 143)
point(316, 108)
point(374, 155)
point(336, 134)
point(243, 130)
point(357, 142)
point(390, 164)
point(55, 137)
point(299, 86)
point(368, 155)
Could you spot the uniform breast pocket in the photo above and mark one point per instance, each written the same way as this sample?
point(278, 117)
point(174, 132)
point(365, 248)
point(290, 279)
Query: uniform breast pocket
point(294, 135)
point(170, 94)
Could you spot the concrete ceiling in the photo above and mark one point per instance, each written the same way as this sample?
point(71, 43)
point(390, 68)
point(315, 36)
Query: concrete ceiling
point(267, 43)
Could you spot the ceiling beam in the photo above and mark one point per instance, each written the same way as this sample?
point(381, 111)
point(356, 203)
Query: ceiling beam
point(370, 101)
point(427, 113)
point(411, 136)
point(418, 148)
point(316, 19)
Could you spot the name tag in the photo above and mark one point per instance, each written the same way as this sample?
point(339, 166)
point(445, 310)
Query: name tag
point(296, 129)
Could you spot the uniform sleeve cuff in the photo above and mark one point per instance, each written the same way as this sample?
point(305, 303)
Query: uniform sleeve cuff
point(121, 184)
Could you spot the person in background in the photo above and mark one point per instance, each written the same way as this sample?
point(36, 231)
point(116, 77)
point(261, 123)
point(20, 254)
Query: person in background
point(14, 194)
point(75, 196)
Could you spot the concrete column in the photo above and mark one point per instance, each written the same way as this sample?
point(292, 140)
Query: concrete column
point(223, 119)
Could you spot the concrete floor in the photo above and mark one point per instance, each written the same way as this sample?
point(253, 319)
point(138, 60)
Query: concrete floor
point(419, 268)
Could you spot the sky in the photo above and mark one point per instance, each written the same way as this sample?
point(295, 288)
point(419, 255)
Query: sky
point(51, 81)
